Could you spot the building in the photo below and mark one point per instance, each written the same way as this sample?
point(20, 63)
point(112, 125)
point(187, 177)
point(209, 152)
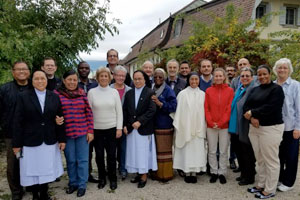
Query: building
point(173, 32)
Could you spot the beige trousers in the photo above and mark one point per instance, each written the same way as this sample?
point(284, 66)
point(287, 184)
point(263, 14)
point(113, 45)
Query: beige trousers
point(265, 141)
point(215, 137)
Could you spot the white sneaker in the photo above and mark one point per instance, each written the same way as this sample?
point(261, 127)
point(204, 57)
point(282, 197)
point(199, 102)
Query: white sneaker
point(284, 188)
point(279, 183)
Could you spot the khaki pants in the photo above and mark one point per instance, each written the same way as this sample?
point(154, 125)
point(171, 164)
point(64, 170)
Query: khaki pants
point(215, 137)
point(265, 141)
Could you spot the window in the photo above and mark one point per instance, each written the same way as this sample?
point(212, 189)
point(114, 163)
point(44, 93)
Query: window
point(178, 27)
point(290, 18)
point(261, 11)
point(289, 15)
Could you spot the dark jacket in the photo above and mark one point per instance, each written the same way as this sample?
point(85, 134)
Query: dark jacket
point(8, 100)
point(144, 113)
point(32, 127)
point(53, 83)
point(162, 116)
point(180, 84)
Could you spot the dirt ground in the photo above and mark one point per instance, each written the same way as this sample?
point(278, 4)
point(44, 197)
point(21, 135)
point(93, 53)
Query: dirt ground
point(154, 190)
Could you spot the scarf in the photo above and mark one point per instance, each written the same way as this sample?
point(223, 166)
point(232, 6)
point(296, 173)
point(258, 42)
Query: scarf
point(70, 94)
point(159, 91)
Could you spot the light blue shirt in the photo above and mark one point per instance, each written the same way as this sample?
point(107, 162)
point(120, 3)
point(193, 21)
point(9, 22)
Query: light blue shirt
point(42, 97)
point(138, 92)
point(291, 105)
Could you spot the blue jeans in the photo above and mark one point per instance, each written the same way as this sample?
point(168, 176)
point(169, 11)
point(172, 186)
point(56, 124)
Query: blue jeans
point(77, 157)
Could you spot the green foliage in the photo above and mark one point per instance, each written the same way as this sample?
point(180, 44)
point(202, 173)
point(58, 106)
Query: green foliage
point(32, 30)
point(286, 44)
point(224, 41)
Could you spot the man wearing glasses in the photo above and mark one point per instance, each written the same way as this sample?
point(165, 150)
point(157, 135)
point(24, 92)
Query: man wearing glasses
point(8, 98)
point(112, 57)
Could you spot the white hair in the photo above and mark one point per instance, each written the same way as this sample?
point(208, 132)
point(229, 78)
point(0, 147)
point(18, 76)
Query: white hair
point(282, 61)
point(120, 68)
point(147, 62)
point(162, 71)
point(173, 61)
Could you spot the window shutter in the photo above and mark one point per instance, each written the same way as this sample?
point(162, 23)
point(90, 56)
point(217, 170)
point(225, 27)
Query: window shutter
point(268, 11)
point(282, 17)
point(298, 16)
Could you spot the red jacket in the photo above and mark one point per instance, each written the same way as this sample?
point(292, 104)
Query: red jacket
point(218, 100)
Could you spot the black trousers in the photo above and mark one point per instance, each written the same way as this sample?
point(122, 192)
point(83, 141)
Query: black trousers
point(91, 147)
point(288, 155)
point(13, 170)
point(247, 160)
point(106, 139)
point(235, 148)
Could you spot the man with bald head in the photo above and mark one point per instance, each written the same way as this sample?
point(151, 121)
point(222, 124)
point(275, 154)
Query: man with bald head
point(148, 68)
point(243, 62)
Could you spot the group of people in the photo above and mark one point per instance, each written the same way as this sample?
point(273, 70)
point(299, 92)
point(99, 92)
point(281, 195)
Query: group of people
point(150, 125)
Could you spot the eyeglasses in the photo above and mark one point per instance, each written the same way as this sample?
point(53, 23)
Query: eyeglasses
point(20, 70)
point(112, 56)
point(245, 76)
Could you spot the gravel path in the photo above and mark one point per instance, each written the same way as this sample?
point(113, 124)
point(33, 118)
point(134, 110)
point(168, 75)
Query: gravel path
point(175, 189)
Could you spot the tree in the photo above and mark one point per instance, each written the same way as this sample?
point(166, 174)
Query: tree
point(32, 30)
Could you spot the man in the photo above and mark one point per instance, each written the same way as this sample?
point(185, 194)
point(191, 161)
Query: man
point(49, 67)
point(112, 57)
point(148, 68)
point(184, 70)
point(85, 83)
point(177, 84)
point(8, 97)
point(235, 83)
point(205, 73)
point(230, 71)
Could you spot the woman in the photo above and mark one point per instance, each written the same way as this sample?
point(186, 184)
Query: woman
point(263, 108)
point(239, 126)
point(289, 147)
point(139, 111)
point(120, 77)
point(37, 138)
point(108, 117)
point(166, 103)
point(218, 100)
point(190, 130)
point(79, 125)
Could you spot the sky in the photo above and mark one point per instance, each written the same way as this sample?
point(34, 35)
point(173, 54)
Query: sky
point(138, 18)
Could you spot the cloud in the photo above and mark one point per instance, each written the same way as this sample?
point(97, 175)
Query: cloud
point(138, 18)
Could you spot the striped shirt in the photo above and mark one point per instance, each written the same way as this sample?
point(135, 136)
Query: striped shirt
point(78, 116)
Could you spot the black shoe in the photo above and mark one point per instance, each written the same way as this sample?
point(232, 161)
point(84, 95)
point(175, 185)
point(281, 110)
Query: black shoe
point(214, 178)
point(136, 179)
point(57, 180)
point(71, 189)
point(180, 173)
point(92, 179)
point(260, 195)
point(245, 182)
point(113, 185)
point(239, 178)
point(201, 173)
point(236, 170)
point(232, 164)
point(193, 179)
point(45, 196)
point(255, 190)
point(102, 183)
point(80, 192)
point(123, 175)
point(222, 179)
point(187, 179)
point(35, 196)
point(142, 183)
